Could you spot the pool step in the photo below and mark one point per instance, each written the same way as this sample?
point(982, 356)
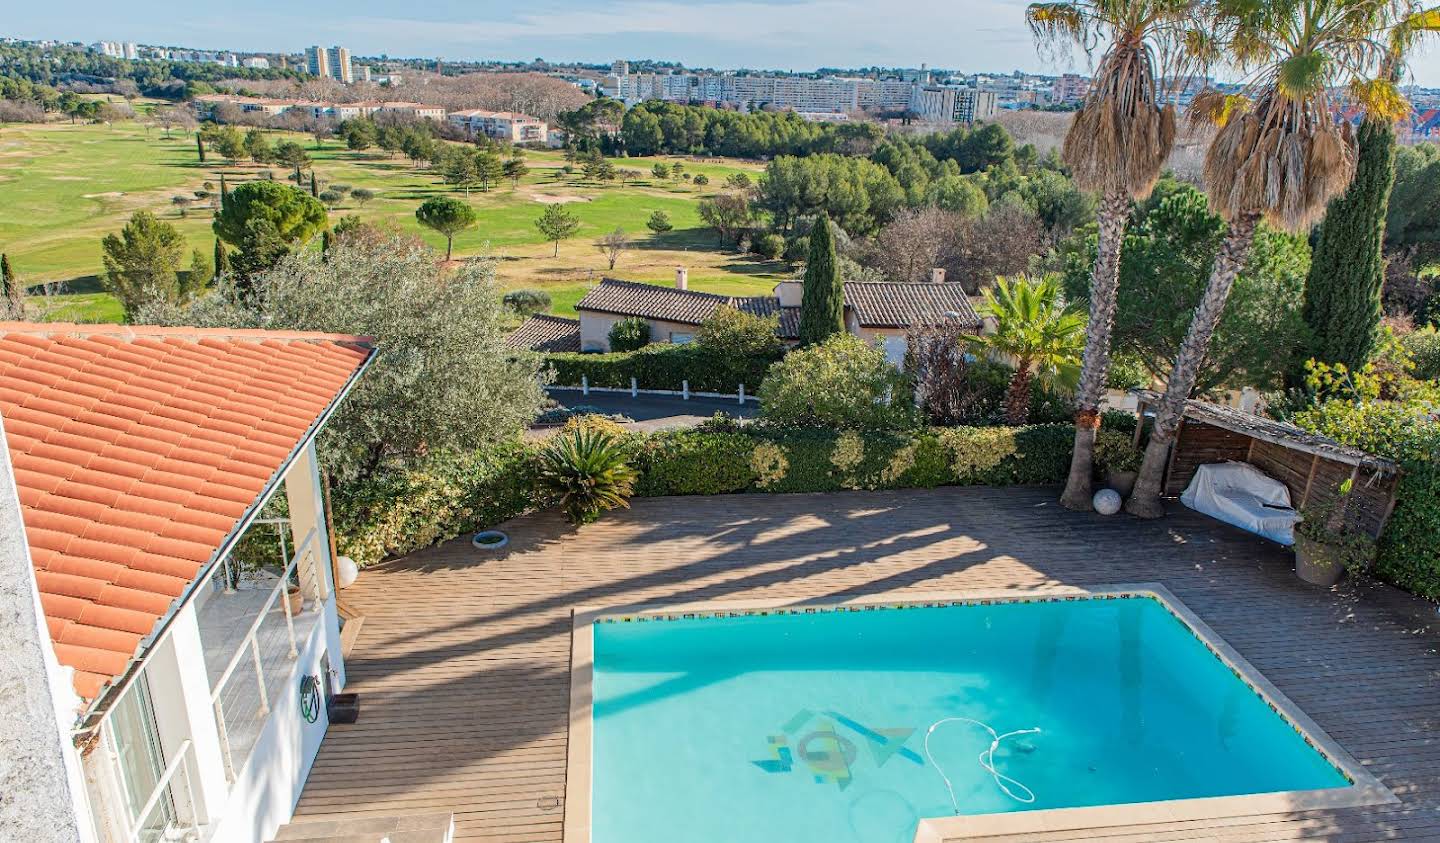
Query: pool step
point(413, 828)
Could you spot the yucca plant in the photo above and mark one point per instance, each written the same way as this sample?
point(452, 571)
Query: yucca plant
point(588, 472)
point(1116, 146)
point(1279, 155)
point(1037, 331)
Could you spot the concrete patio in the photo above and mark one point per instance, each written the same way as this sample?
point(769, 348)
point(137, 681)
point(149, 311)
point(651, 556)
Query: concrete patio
point(463, 662)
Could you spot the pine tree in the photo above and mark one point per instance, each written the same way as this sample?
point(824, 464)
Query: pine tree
point(222, 259)
point(822, 306)
point(1342, 293)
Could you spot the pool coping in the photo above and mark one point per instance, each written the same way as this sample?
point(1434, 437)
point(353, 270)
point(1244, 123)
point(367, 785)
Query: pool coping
point(1365, 788)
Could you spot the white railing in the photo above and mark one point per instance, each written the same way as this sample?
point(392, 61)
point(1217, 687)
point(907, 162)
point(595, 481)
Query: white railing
point(251, 640)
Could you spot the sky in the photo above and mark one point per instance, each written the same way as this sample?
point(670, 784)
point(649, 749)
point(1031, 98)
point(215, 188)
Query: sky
point(966, 35)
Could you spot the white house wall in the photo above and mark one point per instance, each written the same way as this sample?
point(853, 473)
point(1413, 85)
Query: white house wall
point(267, 788)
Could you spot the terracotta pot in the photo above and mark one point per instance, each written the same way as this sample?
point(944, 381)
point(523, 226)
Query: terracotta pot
point(1122, 481)
point(1317, 563)
point(296, 599)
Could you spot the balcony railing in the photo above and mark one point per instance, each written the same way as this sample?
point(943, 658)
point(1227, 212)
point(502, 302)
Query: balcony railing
point(248, 653)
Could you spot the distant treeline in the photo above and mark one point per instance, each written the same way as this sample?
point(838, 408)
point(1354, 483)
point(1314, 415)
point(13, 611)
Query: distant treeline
point(29, 73)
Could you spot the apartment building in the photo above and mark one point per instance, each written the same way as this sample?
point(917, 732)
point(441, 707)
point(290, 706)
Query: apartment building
point(1069, 88)
point(332, 62)
point(952, 104)
point(507, 126)
point(206, 105)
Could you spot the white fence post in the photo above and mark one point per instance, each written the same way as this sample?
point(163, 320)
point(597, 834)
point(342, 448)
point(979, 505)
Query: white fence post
point(585, 385)
point(634, 388)
point(685, 390)
point(742, 395)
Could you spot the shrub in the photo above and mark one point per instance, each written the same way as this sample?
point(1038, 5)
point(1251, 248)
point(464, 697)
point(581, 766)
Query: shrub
point(1409, 552)
point(527, 302)
point(587, 473)
point(841, 383)
point(768, 246)
point(450, 494)
point(1114, 451)
point(733, 333)
point(662, 367)
point(694, 462)
point(1424, 348)
point(629, 334)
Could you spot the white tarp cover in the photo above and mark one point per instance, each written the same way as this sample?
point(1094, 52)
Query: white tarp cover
point(1241, 494)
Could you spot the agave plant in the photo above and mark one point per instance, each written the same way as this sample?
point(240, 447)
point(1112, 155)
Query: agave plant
point(1279, 155)
point(1116, 146)
point(588, 472)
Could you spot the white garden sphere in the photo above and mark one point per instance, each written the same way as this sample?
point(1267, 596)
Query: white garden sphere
point(346, 571)
point(1107, 501)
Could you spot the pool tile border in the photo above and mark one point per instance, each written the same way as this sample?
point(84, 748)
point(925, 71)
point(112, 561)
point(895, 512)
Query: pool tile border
point(1364, 788)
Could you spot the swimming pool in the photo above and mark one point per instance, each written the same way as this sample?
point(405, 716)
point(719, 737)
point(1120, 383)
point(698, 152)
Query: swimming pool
point(855, 722)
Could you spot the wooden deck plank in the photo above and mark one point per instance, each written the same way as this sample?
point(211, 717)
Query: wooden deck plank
point(463, 662)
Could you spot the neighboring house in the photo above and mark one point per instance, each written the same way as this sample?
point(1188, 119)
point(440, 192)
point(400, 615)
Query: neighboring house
point(543, 332)
point(187, 688)
point(874, 311)
point(507, 126)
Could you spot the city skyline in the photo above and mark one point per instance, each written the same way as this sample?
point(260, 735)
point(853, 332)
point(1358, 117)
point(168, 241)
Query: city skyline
point(723, 34)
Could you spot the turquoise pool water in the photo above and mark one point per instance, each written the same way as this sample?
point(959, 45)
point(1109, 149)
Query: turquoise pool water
point(812, 727)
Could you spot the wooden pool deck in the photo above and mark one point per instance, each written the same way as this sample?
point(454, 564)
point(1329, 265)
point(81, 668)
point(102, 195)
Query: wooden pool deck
point(462, 664)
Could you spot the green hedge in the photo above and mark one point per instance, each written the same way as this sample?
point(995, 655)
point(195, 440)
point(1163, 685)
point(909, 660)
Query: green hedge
point(662, 367)
point(1409, 551)
point(454, 495)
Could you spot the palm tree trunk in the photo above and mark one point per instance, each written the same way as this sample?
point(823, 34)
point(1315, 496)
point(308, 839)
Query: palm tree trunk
point(1234, 253)
point(1017, 400)
point(1113, 214)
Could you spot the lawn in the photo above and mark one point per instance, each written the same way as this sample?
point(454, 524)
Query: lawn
point(67, 186)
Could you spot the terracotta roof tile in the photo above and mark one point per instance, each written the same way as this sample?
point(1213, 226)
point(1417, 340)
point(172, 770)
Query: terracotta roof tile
point(137, 450)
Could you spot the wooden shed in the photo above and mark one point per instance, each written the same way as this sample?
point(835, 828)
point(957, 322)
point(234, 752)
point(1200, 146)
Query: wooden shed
point(1313, 467)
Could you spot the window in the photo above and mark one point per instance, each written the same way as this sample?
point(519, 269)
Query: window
point(141, 761)
point(677, 338)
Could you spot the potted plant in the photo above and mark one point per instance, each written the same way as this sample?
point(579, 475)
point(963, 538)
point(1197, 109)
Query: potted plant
point(1118, 458)
point(1326, 547)
point(295, 597)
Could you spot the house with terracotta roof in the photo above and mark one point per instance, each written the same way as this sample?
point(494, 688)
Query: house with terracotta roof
point(880, 312)
point(167, 573)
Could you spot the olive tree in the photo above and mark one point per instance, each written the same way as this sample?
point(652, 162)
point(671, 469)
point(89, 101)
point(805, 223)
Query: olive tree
point(443, 378)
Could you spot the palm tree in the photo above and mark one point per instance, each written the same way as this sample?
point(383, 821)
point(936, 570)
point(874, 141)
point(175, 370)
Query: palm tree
point(1116, 146)
point(1279, 156)
point(1036, 330)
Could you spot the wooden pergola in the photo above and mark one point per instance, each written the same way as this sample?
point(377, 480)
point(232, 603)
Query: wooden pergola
point(1311, 466)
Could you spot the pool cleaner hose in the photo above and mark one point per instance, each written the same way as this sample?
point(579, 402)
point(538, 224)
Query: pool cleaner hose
point(1020, 793)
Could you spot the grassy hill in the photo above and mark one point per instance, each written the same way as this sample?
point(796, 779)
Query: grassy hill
point(67, 186)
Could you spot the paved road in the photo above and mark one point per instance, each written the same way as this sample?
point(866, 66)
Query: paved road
point(656, 412)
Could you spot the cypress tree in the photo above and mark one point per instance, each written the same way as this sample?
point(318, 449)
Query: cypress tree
point(222, 259)
point(822, 307)
point(1347, 268)
point(200, 145)
point(326, 240)
point(314, 185)
point(224, 190)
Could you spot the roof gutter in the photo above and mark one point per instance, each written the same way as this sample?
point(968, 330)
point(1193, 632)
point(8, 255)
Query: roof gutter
point(94, 714)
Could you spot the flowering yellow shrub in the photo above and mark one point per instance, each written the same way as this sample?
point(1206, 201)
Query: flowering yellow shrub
point(769, 464)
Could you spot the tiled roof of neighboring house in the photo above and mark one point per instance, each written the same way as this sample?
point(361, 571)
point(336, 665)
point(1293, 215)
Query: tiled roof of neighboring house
point(543, 332)
point(138, 450)
point(652, 301)
point(875, 304)
point(898, 305)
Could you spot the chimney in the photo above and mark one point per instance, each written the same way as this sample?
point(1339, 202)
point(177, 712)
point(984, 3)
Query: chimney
point(937, 275)
point(682, 278)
